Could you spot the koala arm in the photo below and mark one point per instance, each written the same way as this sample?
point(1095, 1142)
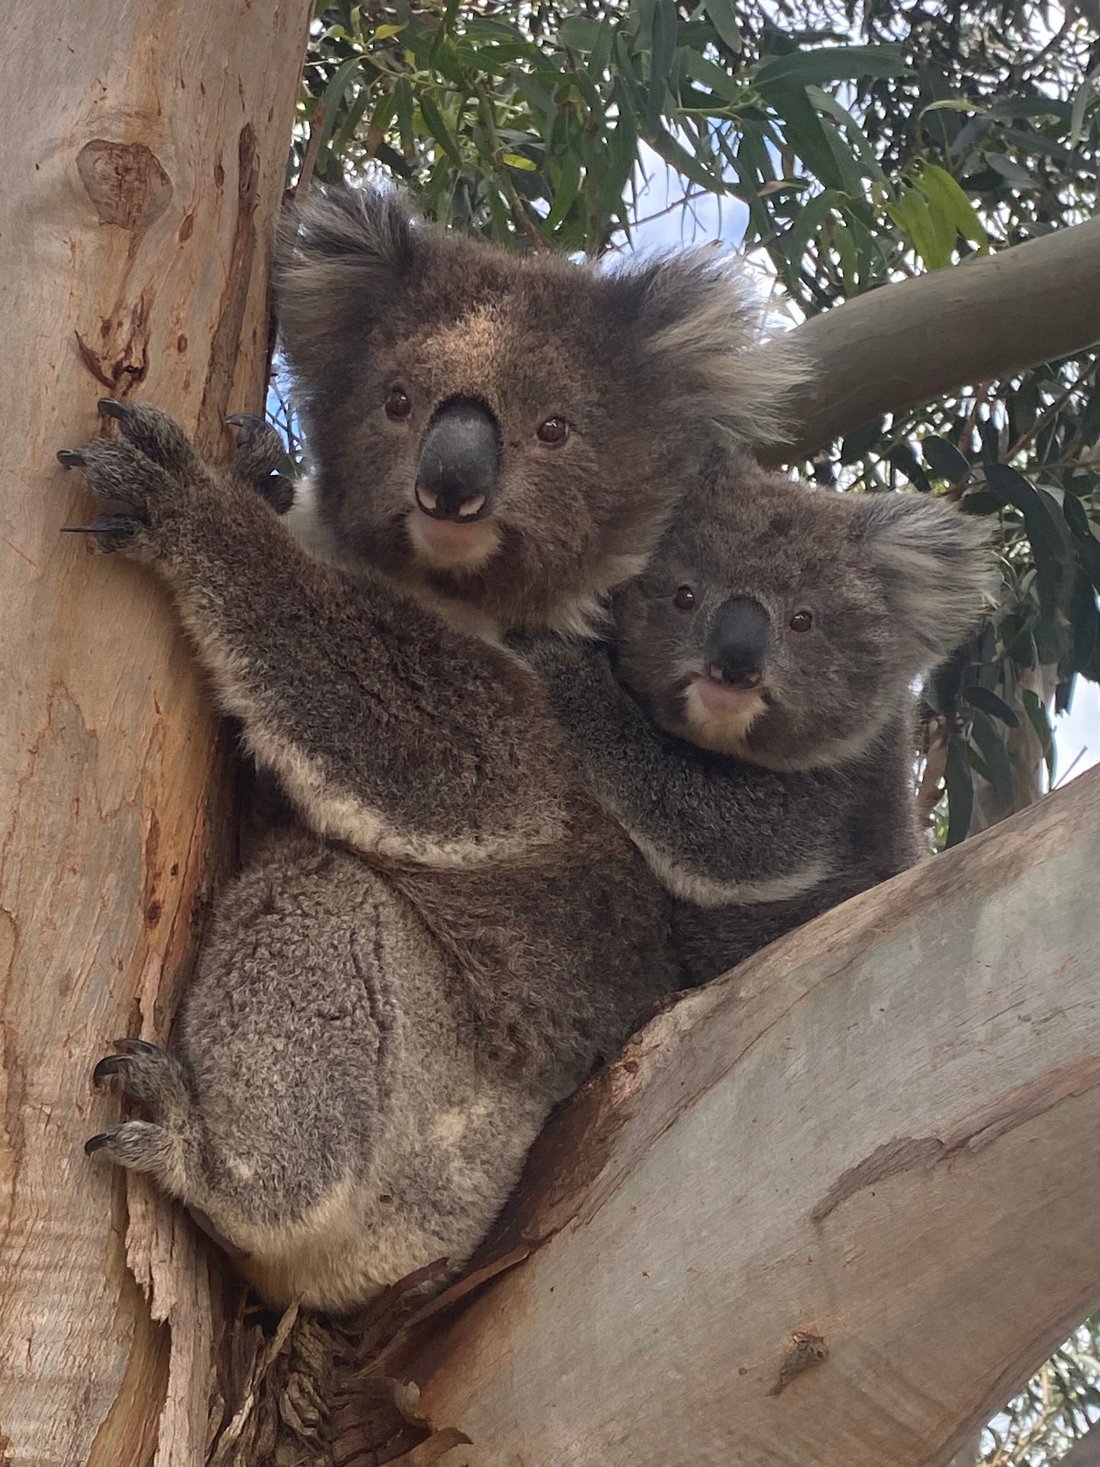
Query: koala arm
point(389, 731)
point(715, 830)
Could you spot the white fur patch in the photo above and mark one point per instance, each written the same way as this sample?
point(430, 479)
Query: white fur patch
point(703, 891)
point(333, 811)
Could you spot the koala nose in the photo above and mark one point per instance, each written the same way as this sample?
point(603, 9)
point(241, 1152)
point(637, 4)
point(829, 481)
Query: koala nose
point(456, 475)
point(736, 648)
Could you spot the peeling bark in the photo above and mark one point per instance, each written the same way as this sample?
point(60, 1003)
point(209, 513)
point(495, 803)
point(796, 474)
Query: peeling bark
point(134, 254)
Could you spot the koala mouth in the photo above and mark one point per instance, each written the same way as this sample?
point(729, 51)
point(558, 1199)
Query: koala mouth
point(718, 696)
point(719, 716)
point(463, 545)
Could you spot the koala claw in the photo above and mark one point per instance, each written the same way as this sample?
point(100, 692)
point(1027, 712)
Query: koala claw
point(95, 1143)
point(112, 531)
point(110, 407)
point(70, 458)
point(260, 450)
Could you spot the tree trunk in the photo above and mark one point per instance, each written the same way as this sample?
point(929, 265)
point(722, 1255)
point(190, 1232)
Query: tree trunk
point(905, 344)
point(832, 1209)
point(143, 164)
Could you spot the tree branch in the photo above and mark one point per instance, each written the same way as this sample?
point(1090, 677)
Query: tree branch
point(798, 1220)
point(904, 344)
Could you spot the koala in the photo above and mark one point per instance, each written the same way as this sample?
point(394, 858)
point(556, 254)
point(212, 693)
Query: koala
point(752, 725)
point(387, 1005)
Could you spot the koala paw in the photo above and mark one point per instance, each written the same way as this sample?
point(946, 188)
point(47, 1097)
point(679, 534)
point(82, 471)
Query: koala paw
point(151, 471)
point(260, 450)
point(156, 1080)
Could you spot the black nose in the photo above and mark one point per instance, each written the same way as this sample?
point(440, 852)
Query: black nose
point(456, 476)
point(737, 647)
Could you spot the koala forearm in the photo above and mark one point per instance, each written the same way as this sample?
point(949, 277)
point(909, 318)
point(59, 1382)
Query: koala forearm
point(330, 674)
point(712, 829)
point(390, 731)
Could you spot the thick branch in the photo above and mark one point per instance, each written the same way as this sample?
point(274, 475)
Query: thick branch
point(831, 1209)
point(905, 344)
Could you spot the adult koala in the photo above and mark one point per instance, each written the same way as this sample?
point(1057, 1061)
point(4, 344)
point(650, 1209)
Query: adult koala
point(386, 1009)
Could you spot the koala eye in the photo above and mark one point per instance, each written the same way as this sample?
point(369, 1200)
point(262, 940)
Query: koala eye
point(684, 599)
point(398, 404)
point(801, 621)
point(552, 432)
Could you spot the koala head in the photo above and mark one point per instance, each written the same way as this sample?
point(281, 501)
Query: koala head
point(508, 432)
point(786, 625)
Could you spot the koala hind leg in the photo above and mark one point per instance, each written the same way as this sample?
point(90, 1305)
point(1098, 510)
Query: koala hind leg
point(165, 1146)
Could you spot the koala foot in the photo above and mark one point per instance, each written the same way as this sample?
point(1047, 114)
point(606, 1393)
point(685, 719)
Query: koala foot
point(260, 450)
point(162, 1145)
point(149, 471)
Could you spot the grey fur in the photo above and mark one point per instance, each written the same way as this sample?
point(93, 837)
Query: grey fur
point(758, 816)
point(387, 1007)
point(646, 364)
point(380, 1020)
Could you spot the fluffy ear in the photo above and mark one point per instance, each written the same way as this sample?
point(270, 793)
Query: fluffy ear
point(339, 259)
point(701, 332)
point(934, 563)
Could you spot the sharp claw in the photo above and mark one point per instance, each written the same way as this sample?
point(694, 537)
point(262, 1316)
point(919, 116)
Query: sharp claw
point(112, 408)
point(246, 420)
point(96, 1143)
point(135, 1046)
point(69, 458)
point(110, 1065)
point(107, 524)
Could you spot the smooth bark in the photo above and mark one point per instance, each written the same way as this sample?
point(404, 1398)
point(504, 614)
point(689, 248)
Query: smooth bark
point(832, 1209)
point(905, 344)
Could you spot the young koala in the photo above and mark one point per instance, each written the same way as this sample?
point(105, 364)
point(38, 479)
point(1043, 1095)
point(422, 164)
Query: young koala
point(385, 1009)
point(762, 757)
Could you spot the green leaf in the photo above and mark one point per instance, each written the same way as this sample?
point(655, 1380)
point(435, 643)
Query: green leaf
point(911, 213)
point(684, 162)
point(946, 196)
point(384, 32)
point(859, 440)
point(723, 18)
point(1046, 538)
point(988, 702)
point(403, 98)
point(438, 128)
point(944, 459)
point(828, 64)
point(903, 458)
point(1040, 722)
point(960, 792)
point(664, 49)
point(517, 160)
point(579, 33)
point(1083, 99)
point(995, 756)
point(1075, 516)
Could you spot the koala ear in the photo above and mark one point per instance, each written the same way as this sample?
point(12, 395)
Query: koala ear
point(339, 260)
point(934, 563)
point(700, 334)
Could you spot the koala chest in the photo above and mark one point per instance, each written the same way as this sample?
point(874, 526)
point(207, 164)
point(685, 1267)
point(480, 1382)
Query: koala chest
point(569, 946)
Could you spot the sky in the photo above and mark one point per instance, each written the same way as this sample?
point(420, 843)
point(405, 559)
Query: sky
point(1077, 732)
